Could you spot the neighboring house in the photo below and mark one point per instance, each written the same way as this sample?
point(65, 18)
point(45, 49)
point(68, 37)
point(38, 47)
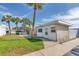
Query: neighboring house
point(3, 30)
point(73, 32)
point(13, 30)
point(19, 32)
point(54, 30)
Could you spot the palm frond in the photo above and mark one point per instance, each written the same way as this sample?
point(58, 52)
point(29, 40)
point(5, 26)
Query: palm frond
point(26, 21)
point(16, 19)
point(40, 6)
point(3, 18)
point(8, 18)
point(30, 4)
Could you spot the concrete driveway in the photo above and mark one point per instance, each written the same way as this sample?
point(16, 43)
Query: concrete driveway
point(49, 43)
point(57, 50)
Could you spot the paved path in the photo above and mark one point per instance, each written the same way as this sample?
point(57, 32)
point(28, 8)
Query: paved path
point(57, 50)
point(47, 43)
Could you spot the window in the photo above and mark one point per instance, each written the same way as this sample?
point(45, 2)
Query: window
point(53, 29)
point(39, 30)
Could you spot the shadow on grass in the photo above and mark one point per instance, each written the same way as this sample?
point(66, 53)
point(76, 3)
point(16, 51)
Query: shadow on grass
point(34, 39)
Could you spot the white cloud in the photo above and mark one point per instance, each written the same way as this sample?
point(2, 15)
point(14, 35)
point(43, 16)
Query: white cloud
point(74, 11)
point(47, 20)
point(70, 14)
point(3, 7)
point(2, 13)
point(7, 13)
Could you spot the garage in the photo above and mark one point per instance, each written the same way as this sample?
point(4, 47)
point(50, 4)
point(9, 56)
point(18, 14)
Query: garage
point(62, 33)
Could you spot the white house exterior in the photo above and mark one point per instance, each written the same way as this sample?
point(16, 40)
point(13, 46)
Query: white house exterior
point(55, 30)
point(2, 30)
point(73, 32)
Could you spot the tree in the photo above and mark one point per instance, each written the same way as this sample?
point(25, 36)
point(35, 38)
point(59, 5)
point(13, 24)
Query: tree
point(16, 20)
point(36, 6)
point(7, 19)
point(26, 22)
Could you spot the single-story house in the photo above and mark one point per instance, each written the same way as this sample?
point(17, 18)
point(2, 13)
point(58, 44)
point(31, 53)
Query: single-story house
point(54, 30)
point(20, 31)
point(2, 30)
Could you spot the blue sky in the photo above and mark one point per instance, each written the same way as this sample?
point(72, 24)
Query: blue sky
point(49, 12)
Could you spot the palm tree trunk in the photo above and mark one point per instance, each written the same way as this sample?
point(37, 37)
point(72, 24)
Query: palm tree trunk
point(9, 28)
point(24, 27)
point(33, 25)
point(16, 26)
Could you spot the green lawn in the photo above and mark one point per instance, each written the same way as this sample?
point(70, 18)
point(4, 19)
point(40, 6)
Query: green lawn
point(16, 45)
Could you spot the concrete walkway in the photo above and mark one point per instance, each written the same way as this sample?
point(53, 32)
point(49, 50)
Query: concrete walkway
point(49, 43)
point(57, 50)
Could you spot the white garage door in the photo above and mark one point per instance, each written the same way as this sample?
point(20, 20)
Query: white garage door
point(52, 36)
point(62, 35)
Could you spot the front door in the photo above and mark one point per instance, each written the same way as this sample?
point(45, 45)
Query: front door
point(46, 34)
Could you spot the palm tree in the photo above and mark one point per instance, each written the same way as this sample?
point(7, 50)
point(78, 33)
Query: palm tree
point(26, 22)
point(16, 20)
point(36, 6)
point(7, 19)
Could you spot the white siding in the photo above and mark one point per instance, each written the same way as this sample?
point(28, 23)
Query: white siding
point(50, 36)
point(39, 34)
point(62, 33)
point(73, 33)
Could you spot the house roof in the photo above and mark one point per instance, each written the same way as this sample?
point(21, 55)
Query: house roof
point(55, 22)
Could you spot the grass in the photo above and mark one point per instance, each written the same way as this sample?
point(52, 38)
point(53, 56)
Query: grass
point(12, 45)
